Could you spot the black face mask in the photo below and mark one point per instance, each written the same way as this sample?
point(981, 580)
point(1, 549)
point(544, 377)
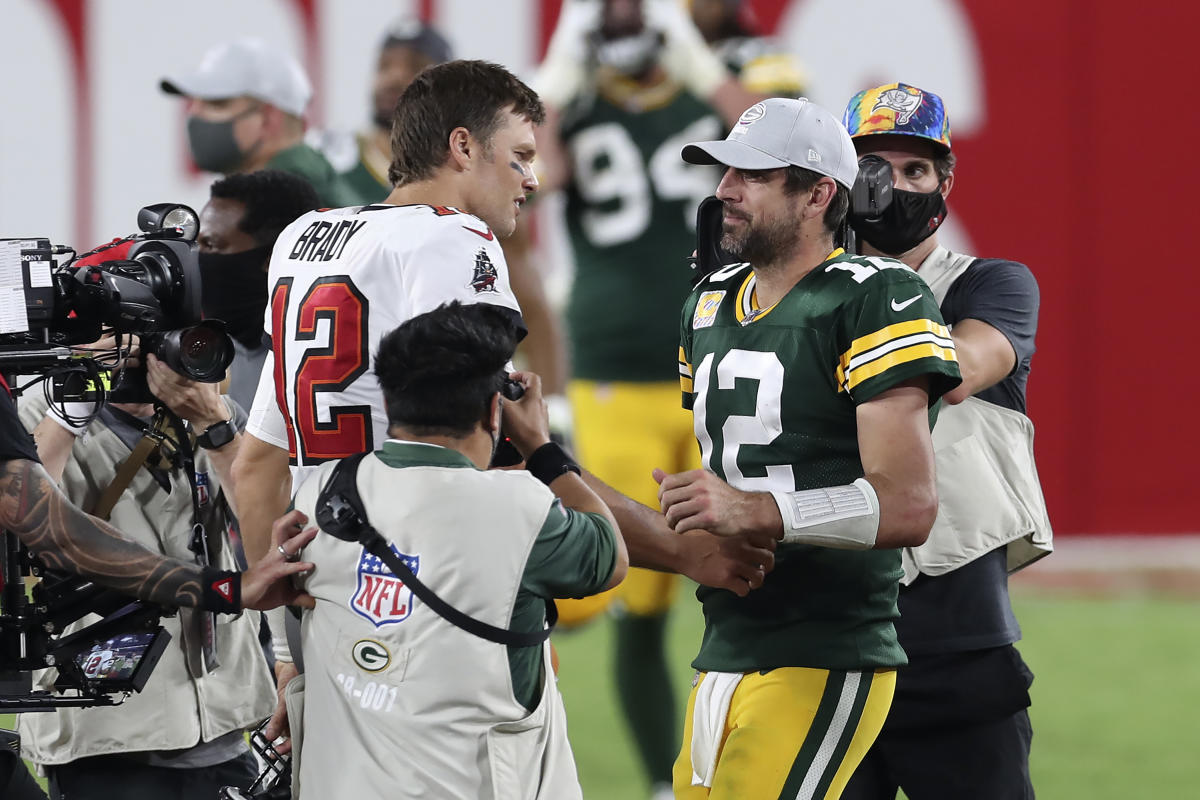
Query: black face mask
point(911, 218)
point(213, 147)
point(233, 288)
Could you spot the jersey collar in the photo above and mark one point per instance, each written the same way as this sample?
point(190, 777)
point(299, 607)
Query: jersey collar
point(402, 453)
point(746, 308)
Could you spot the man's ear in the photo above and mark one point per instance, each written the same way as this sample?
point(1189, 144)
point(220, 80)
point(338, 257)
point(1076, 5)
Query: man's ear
point(947, 185)
point(821, 193)
point(462, 148)
point(492, 423)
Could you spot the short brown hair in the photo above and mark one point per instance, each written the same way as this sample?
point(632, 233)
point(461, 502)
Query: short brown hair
point(466, 94)
point(943, 164)
point(799, 179)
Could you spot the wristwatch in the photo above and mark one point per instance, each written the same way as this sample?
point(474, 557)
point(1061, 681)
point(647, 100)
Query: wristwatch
point(217, 435)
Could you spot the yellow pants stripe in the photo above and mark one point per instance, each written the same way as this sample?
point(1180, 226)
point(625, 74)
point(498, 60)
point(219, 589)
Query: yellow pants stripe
point(791, 733)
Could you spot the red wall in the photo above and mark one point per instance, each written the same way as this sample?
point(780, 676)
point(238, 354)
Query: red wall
point(1080, 176)
point(1084, 173)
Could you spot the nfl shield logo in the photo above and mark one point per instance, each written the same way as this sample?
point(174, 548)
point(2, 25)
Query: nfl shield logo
point(202, 488)
point(380, 596)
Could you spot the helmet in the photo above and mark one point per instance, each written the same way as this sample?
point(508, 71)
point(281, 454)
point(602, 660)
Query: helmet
point(274, 782)
point(623, 41)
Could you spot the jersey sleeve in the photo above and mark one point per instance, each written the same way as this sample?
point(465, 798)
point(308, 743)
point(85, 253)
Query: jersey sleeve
point(1005, 295)
point(460, 260)
point(265, 421)
point(890, 332)
point(573, 556)
point(686, 378)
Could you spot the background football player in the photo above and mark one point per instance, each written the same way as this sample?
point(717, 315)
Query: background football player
point(627, 83)
point(362, 158)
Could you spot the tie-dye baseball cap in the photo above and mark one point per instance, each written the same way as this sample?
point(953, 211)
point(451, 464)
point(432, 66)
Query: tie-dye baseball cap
point(900, 109)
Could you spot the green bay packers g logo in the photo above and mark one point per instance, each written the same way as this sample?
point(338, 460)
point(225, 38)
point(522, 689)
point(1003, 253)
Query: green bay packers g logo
point(370, 655)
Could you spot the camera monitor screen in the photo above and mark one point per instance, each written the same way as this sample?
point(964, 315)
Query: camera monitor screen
point(123, 662)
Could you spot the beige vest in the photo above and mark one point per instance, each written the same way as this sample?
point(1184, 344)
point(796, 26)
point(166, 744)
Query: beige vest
point(396, 702)
point(989, 495)
point(174, 711)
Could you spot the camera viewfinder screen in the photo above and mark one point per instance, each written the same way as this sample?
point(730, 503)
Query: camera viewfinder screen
point(115, 659)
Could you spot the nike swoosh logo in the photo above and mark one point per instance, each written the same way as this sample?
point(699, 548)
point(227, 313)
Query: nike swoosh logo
point(485, 234)
point(895, 306)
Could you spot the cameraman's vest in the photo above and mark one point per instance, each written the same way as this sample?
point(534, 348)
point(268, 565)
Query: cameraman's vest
point(989, 495)
point(395, 700)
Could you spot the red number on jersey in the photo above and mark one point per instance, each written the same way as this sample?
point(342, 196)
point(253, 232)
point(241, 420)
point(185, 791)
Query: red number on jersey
point(324, 369)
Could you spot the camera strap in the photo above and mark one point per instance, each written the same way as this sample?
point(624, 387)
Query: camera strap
point(153, 436)
point(340, 513)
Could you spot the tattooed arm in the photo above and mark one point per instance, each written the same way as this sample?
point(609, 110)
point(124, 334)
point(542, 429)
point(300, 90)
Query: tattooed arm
point(65, 538)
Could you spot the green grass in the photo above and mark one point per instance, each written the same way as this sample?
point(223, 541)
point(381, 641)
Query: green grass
point(1115, 702)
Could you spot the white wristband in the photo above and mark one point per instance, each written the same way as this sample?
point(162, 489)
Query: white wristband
point(842, 517)
point(78, 410)
point(279, 643)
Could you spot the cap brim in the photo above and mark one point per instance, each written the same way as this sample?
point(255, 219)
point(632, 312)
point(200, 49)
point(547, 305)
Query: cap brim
point(939, 146)
point(203, 87)
point(730, 154)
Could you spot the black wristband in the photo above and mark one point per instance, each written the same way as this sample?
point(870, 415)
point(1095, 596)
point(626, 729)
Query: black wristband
point(550, 461)
point(222, 591)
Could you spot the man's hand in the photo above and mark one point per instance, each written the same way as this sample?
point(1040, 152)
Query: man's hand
point(564, 72)
point(268, 583)
point(738, 564)
point(526, 421)
point(699, 500)
point(685, 56)
point(198, 403)
point(278, 724)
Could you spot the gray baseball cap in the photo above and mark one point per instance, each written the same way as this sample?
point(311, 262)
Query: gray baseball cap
point(779, 132)
point(246, 67)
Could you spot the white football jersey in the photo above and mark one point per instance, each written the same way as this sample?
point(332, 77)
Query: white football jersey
point(340, 280)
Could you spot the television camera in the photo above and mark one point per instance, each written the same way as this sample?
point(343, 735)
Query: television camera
point(52, 304)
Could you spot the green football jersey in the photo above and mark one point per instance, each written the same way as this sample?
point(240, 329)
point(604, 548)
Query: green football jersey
point(773, 394)
point(631, 218)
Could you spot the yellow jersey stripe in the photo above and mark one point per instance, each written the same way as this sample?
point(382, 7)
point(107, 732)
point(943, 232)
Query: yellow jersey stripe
point(914, 353)
point(685, 384)
point(864, 343)
point(684, 367)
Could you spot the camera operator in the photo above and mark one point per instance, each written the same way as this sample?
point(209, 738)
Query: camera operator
point(182, 735)
point(65, 538)
point(959, 724)
point(468, 717)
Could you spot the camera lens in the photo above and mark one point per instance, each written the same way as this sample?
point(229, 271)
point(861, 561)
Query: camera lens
point(201, 352)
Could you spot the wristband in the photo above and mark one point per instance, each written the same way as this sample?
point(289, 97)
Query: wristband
point(276, 622)
point(222, 591)
point(550, 462)
point(842, 517)
point(76, 410)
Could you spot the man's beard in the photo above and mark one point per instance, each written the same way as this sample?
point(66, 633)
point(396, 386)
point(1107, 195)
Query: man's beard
point(761, 244)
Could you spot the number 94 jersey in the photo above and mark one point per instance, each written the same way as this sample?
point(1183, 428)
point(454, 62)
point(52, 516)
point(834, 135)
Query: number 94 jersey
point(340, 280)
point(773, 393)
